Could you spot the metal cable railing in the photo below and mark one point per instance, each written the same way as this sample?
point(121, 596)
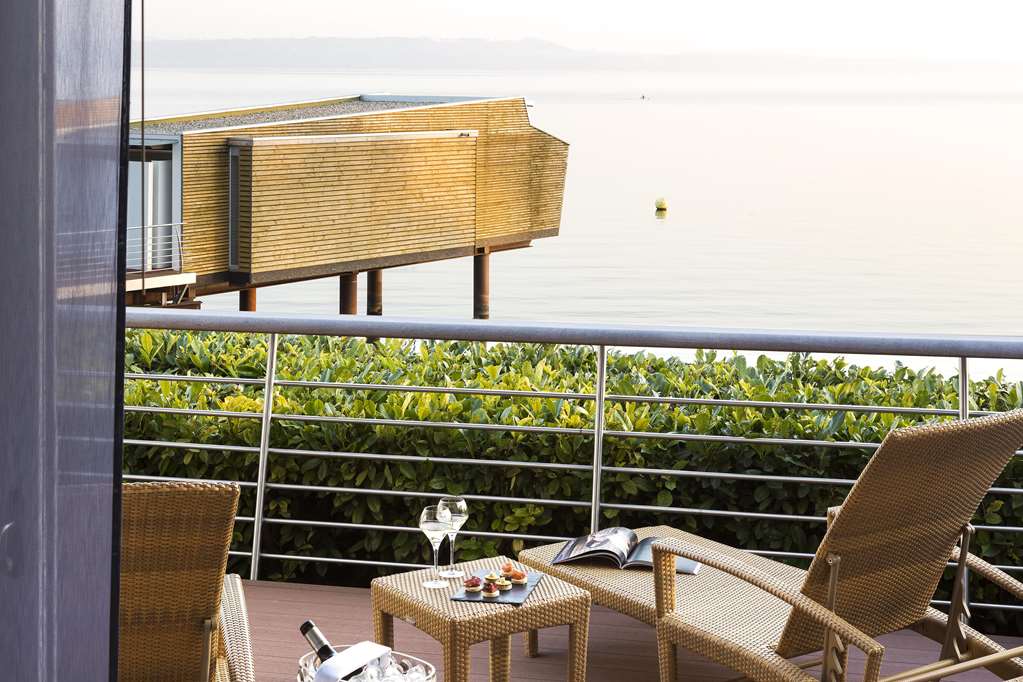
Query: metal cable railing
point(960, 348)
point(150, 248)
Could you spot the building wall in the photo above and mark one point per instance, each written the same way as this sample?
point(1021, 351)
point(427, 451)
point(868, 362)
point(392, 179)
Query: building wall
point(318, 204)
point(521, 183)
point(519, 179)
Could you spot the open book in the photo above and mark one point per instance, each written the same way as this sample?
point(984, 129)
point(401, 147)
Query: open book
point(620, 546)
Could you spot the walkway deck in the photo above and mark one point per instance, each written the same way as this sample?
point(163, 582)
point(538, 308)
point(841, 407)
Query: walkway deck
point(620, 647)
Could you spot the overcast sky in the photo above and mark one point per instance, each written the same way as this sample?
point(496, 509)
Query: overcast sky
point(937, 29)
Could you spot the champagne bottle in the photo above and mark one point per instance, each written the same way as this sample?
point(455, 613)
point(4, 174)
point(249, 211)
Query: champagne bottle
point(324, 651)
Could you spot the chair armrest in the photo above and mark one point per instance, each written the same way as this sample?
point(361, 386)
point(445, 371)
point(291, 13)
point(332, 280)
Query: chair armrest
point(664, 585)
point(234, 631)
point(991, 573)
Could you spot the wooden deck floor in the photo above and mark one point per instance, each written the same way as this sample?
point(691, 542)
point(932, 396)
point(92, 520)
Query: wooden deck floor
point(620, 648)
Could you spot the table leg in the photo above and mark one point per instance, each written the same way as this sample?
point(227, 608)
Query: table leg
point(578, 633)
point(500, 659)
point(383, 628)
point(456, 662)
point(532, 643)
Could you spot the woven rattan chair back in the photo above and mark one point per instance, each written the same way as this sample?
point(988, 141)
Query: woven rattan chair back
point(899, 523)
point(174, 544)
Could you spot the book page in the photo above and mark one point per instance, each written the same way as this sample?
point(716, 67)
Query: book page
point(643, 555)
point(615, 541)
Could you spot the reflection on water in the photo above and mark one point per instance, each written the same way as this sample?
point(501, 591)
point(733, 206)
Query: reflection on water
point(794, 203)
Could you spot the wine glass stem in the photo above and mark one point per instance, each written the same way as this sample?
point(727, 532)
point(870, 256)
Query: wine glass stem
point(436, 559)
point(451, 541)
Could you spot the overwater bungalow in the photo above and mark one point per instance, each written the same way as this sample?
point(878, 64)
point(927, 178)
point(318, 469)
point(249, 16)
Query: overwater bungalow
point(245, 198)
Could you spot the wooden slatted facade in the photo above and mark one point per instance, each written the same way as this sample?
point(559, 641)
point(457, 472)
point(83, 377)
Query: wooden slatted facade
point(358, 200)
point(317, 209)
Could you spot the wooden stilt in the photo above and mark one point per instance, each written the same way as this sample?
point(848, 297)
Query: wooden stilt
point(375, 292)
point(349, 293)
point(247, 300)
point(374, 296)
point(481, 286)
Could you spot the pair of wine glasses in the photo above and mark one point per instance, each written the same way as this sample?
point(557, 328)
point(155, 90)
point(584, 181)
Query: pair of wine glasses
point(444, 518)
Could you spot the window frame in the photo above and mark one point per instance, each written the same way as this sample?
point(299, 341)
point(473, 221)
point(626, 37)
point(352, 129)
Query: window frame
point(233, 203)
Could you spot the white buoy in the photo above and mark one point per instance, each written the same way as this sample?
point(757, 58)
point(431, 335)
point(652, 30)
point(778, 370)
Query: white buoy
point(661, 204)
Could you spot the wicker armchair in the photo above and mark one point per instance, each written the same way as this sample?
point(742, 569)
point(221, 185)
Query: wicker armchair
point(875, 571)
point(181, 618)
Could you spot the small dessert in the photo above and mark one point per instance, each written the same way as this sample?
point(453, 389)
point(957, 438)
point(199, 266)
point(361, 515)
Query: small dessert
point(490, 590)
point(507, 569)
point(518, 577)
point(503, 584)
point(473, 584)
point(491, 577)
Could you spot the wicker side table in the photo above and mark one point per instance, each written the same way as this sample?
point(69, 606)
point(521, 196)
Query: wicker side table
point(457, 625)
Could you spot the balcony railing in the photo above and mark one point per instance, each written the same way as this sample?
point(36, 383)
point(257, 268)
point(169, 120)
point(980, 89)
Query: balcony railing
point(960, 348)
point(154, 248)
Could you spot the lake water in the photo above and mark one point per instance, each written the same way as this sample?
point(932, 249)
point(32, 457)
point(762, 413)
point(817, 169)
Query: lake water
point(870, 202)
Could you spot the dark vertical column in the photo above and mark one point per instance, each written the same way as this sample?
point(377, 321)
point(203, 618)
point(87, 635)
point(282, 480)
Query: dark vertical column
point(374, 296)
point(247, 300)
point(349, 293)
point(120, 265)
point(375, 292)
point(481, 286)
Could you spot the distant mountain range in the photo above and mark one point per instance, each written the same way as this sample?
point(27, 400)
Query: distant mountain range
point(470, 54)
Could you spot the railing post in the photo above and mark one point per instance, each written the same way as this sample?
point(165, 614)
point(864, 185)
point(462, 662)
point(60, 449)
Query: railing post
point(143, 255)
point(964, 389)
point(177, 253)
point(964, 413)
point(264, 447)
point(598, 438)
point(143, 213)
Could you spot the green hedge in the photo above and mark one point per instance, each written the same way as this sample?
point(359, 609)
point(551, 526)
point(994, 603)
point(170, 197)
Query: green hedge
point(797, 378)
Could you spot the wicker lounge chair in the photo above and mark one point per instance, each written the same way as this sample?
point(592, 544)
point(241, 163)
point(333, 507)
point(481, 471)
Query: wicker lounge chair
point(180, 617)
point(875, 571)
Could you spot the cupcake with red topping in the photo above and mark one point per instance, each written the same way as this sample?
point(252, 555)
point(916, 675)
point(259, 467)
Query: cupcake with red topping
point(490, 590)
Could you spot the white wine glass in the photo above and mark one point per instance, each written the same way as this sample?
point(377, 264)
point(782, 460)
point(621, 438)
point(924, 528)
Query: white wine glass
point(456, 511)
point(434, 527)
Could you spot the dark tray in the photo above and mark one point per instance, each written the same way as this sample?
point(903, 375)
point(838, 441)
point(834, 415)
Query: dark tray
point(515, 596)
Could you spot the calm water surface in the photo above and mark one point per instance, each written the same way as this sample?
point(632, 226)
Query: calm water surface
point(873, 203)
